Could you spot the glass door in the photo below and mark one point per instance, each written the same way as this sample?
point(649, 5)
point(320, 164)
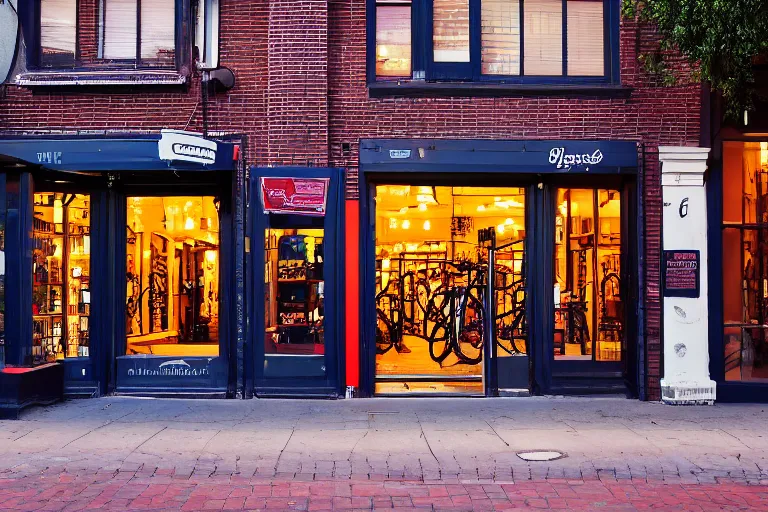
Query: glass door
point(588, 298)
point(296, 337)
point(432, 297)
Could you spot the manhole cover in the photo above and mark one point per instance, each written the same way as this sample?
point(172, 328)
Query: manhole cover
point(540, 456)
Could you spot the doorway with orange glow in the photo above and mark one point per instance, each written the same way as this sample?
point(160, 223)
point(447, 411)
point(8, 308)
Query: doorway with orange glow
point(434, 308)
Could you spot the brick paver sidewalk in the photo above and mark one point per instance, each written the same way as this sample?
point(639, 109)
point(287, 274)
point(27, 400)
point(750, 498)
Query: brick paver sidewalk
point(158, 490)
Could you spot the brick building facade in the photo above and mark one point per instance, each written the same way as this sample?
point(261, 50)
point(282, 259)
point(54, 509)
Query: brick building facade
point(302, 99)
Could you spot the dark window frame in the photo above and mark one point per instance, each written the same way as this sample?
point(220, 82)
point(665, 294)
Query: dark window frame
point(30, 16)
point(422, 56)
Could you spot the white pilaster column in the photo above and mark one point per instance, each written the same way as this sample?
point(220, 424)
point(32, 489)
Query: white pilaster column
point(686, 334)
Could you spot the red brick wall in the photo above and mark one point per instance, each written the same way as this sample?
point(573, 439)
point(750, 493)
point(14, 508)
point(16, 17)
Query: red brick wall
point(297, 103)
point(301, 94)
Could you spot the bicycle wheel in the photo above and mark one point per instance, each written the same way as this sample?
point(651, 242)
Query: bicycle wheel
point(385, 335)
point(439, 327)
point(469, 342)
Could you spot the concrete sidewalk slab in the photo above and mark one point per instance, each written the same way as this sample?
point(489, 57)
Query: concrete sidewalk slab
point(419, 439)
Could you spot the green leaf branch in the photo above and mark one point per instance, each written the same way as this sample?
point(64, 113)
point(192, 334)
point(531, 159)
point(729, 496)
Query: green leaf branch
point(720, 38)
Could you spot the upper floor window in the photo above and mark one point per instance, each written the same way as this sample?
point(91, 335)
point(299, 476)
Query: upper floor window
point(141, 31)
point(510, 41)
point(105, 34)
point(58, 32)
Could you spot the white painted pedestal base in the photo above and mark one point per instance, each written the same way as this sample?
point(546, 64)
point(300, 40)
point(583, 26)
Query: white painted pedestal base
point(688, 393)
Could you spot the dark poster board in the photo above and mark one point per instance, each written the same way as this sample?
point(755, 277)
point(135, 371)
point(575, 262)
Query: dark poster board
point(682, 273)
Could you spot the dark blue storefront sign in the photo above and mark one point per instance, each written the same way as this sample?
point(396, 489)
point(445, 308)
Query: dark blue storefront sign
point(168, 150)
point(532, 156)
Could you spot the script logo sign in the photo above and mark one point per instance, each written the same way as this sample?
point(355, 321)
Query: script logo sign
point(563, 160)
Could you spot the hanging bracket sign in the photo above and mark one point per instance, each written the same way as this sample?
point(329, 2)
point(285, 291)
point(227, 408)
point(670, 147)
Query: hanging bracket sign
point(682, 271)
point(297, 196)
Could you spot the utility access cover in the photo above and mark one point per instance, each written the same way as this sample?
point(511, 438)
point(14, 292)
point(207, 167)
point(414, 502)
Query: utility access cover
point(540, 456)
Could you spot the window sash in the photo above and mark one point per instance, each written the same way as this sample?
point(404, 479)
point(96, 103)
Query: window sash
point(394, 51)
point(600, 67)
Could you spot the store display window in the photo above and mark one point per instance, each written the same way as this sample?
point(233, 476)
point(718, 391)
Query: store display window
point(61, 270)
point(431, 296)
point(745, 260)
point(589, 307)
point(294, 290)
point(172, 274)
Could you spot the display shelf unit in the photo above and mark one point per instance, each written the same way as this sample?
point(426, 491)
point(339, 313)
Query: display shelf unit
point(61, 285)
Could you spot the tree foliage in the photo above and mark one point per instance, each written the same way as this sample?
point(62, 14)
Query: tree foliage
point(722, 38)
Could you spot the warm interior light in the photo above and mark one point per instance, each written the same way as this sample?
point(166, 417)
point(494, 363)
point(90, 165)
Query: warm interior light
point(425, 190)
point(764, 153)
point(508, 222)
point(58, 212)
point(210, 256)
point(398, 247)
point(147, 254)
point(404, 210)
point(392, 223)
point(563, 209)
point(500, 229)
point(383, 51)
point(425, 198)
point(427, 225)
point(517, 266)
point(423, 207)
point(406, 224)
point(481, 208)
point(87, 244)
point(385, 264)
point(189, 224)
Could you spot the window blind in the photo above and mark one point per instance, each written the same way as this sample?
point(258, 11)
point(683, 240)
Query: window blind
point(585, 38)
point(543, 37)
point(500, 22)
point(118, 30)
point(158, 30)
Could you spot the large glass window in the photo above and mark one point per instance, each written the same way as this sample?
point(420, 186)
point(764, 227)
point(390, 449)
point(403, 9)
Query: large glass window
point(589, 307)
point(745, 260)
point(535, 38)
point(58, 32)
point(138, 30)
point(294, 291)
point(172, 274)
point(61, 270)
